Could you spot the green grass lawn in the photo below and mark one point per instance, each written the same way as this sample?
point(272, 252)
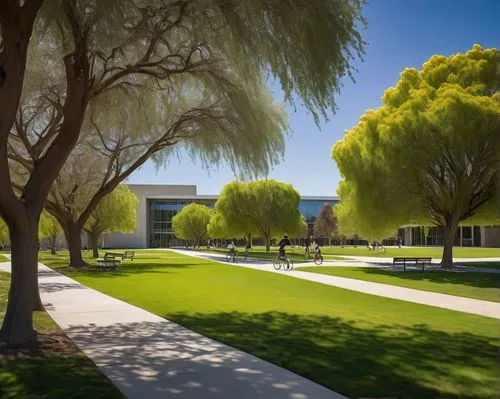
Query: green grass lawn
point(485, 265)
point(484, 286)
point(357, 344)
point(3, 259)
point(52, 368)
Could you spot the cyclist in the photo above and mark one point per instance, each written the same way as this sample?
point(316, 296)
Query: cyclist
point(316, 248)
point(231, 247)
point(283, 244)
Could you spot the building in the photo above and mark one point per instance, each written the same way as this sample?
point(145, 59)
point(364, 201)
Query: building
point(466, 236)
point(159, 203)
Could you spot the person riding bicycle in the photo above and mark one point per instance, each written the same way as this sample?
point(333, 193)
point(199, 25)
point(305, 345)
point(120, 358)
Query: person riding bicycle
point(316, 248)
point(283, 243)
point(231, 247)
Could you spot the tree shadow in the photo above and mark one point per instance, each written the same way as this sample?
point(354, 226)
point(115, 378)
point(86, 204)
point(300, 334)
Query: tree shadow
point(163, 359)
point(482, 264)
point(126, 269)
point(380, 361)
point(473, 279)
point(36, 372)
point(51, 287)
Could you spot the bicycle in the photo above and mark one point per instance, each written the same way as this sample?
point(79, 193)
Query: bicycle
point(377, 248)
point(318, 258)
point(282, 261)
point(232, 256)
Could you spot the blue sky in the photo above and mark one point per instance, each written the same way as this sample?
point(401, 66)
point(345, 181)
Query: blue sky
point(401, 33)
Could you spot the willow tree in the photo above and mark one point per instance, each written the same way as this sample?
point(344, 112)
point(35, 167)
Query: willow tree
point(191, 223)
point(268, 207)
point(430, 154)
point(95, 49)
point(49, 228)
point(4, 234)
point(115, 213)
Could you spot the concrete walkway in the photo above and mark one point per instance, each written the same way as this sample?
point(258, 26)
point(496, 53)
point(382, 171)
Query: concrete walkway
point(146, 356)
point(461, 304)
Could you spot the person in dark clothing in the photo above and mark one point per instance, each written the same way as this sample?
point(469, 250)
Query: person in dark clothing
point(283, 244)
point(307, 245)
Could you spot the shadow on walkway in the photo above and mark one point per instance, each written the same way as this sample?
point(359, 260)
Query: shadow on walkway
point(180, 363)
point(381, 361)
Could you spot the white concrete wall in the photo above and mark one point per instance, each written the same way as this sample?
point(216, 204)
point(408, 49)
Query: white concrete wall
point(139, 239)
point(491, 237)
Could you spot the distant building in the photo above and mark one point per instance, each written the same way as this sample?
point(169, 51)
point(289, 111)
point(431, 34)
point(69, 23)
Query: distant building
point(159, 203)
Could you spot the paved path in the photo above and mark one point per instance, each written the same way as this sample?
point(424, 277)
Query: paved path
point(461, 304)
point(146, 356)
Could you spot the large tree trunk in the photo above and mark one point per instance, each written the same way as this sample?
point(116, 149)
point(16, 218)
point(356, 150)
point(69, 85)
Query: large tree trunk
point(93, 238)
point(448, 240)
point(73, 232)
point(268, 243)
point(53, 245)
point(23, 294)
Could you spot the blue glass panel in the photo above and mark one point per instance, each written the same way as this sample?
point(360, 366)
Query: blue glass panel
point(311, 208)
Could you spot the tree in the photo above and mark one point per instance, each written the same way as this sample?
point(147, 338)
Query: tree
point(325, 224)
point(268, 207)
point(49, 228)
point(116, 213)
point(102, 48)
point(430, 154)
point(191, 223)
point(4, 233)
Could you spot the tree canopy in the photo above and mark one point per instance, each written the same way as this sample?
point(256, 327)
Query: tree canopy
point(49, 228)
point(430, 154)
point(267, 207)
point(191, 223)
point(115, 213)
point(4, 233)
point(325, 224)
point(204, 63)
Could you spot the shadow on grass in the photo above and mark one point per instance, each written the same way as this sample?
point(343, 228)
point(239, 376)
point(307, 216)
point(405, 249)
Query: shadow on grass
point(381, 361)
point(162, 359)
point(126, 269)
point(52, 376)
point(479, 280)
point(487, 264)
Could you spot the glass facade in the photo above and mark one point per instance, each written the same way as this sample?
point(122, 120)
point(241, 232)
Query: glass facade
point(311, 208)
point(161, 212)
point(466, 236)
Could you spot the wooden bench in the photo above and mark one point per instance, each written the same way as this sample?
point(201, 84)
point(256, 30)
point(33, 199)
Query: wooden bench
point(128, 255)
point(110, 261)
point(406, 261)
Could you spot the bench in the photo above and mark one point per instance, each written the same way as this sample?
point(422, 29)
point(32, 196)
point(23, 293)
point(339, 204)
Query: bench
point(128, 255)
point(110, 261)
point(417, 261)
